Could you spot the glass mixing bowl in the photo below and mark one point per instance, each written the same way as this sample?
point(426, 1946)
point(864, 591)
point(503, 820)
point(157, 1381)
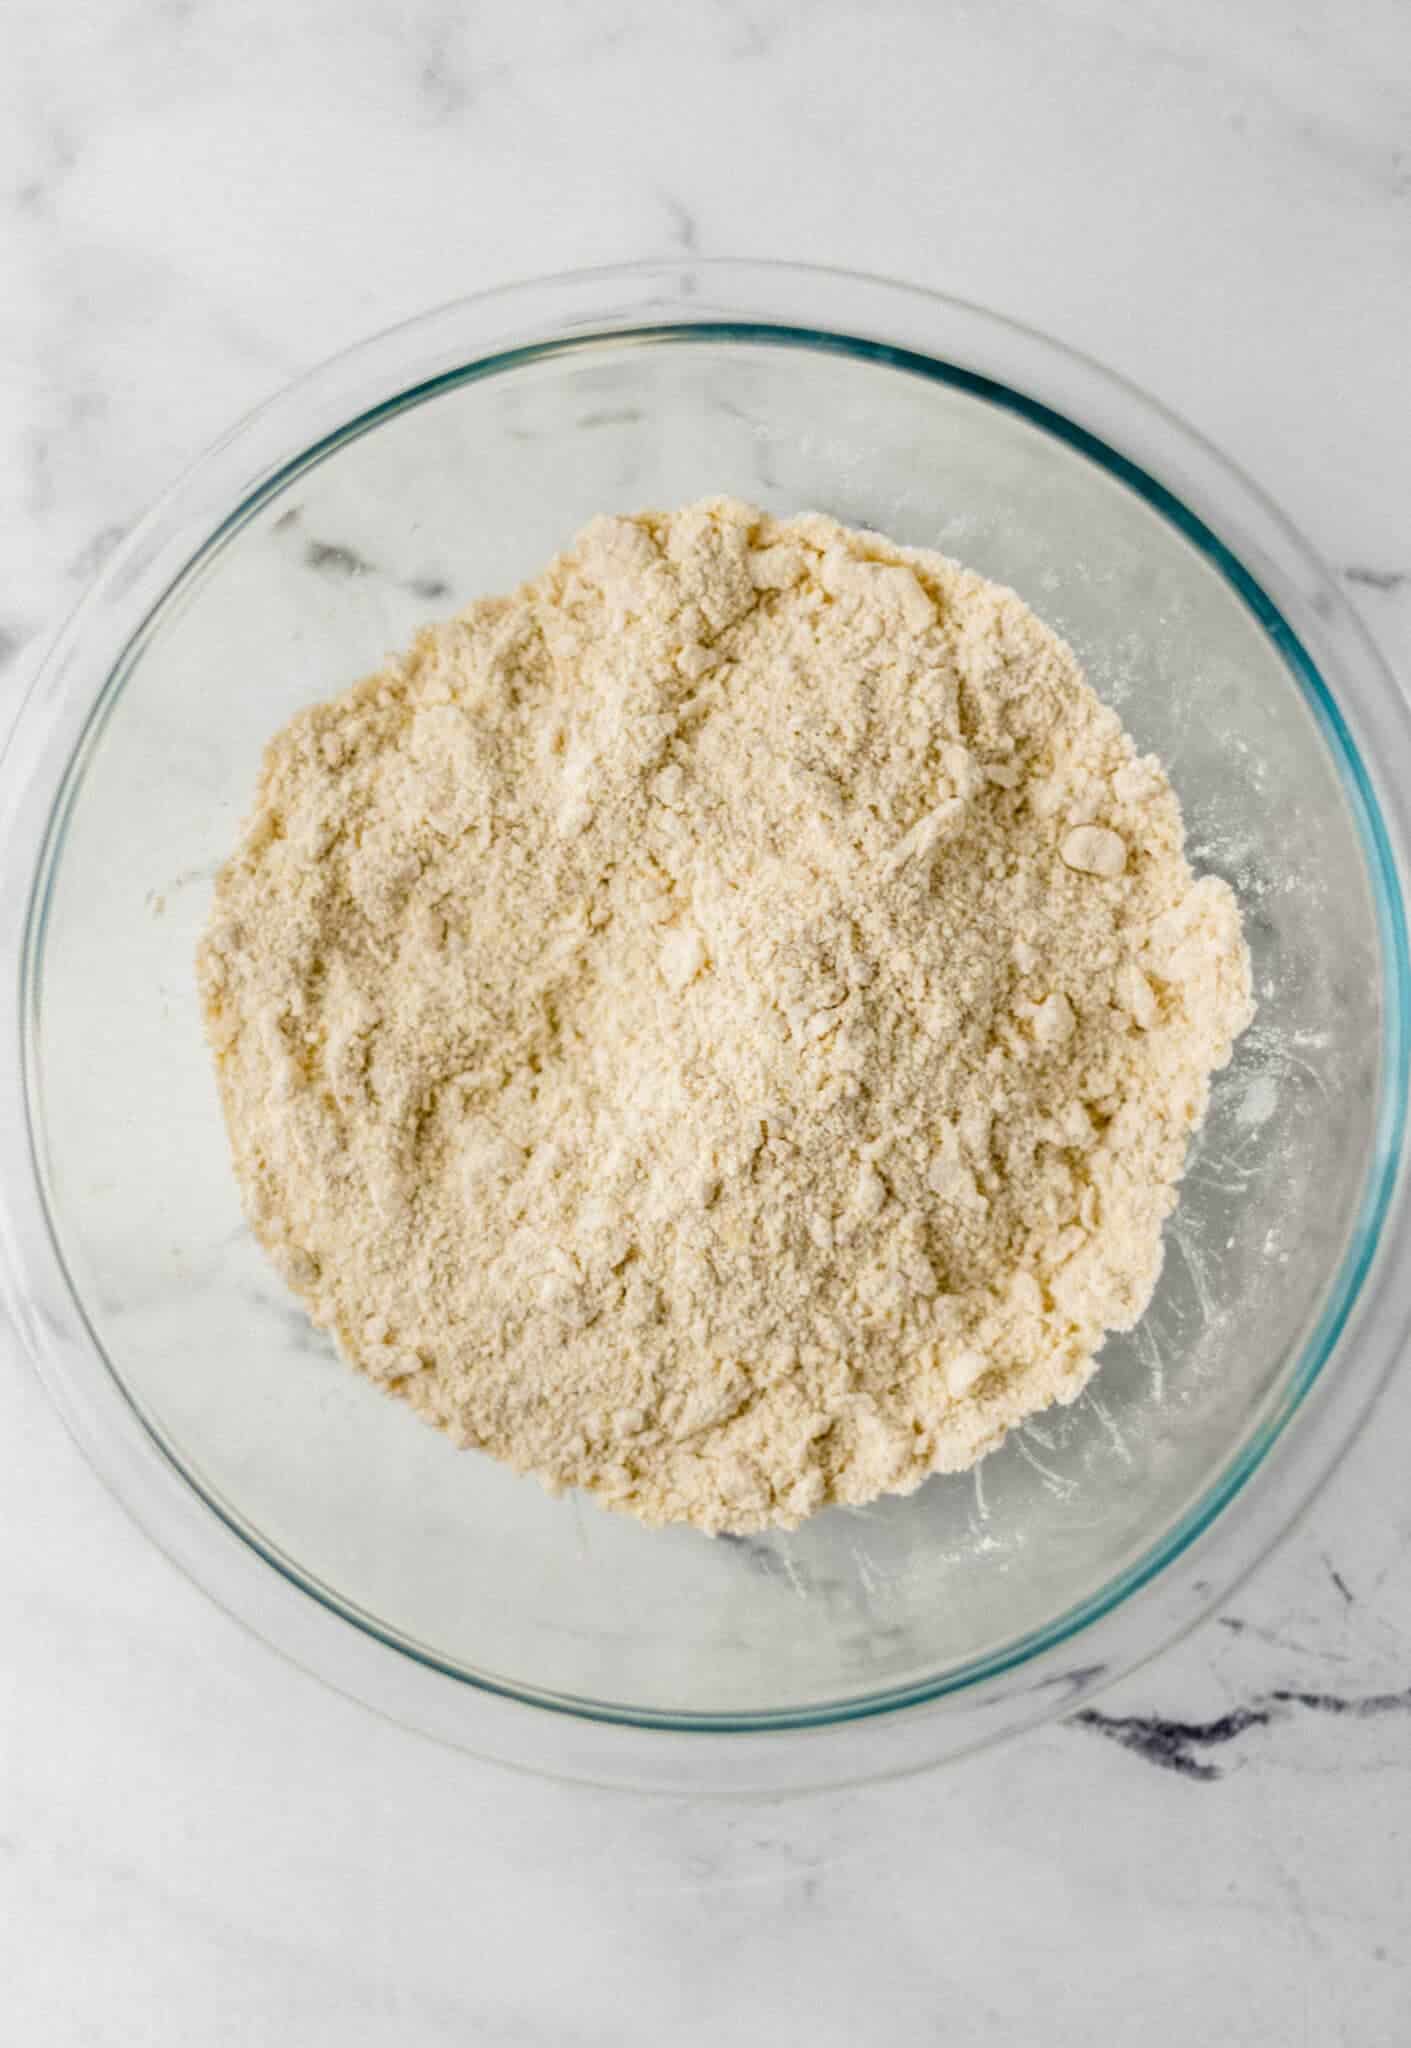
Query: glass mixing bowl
point(450, 458)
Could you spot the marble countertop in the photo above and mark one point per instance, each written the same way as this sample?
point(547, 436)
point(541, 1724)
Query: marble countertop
point(199, 1843)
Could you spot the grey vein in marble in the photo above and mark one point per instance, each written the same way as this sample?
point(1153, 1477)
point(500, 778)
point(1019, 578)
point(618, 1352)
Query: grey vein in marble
point(1171, 1744)
point(334, 558)
point(96, 550)
point(13, 641)
point(1377, 579)
point(339, 560)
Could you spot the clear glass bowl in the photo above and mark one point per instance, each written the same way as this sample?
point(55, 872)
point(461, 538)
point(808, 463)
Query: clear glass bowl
point(450, 458)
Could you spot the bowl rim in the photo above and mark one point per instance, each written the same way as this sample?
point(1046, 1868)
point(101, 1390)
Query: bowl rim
point(1296, 603)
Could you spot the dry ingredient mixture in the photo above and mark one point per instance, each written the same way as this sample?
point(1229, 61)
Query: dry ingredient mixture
point(720, 1026)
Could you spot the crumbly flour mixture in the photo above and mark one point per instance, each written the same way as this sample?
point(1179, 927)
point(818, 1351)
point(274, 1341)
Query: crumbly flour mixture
point(720, 1026)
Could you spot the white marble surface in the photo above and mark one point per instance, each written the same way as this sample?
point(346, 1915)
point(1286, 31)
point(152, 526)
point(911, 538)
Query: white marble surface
point(200, 1844)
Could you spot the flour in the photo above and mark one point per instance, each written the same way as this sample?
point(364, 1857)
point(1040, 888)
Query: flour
point(721, 1026)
